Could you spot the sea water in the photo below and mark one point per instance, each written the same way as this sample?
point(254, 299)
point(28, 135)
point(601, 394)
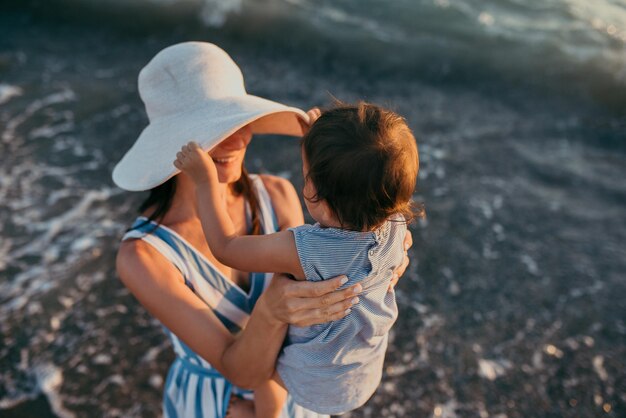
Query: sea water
point(514, 302)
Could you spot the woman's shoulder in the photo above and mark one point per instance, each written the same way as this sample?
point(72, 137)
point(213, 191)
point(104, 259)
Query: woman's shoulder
point(137, 260)
point(277, 186)
point(285, 200)
point(134, 252)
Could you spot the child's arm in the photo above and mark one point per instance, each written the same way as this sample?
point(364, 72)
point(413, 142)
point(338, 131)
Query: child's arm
point(268, 253)
point(269, 399)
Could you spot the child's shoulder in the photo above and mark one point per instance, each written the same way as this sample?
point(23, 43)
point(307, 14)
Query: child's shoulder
point(316, 232)
point(395, 227)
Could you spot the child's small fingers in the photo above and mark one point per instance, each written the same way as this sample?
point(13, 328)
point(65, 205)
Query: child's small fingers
point(188, 148)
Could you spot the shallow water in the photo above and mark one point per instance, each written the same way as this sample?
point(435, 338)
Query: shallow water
point(513, 304)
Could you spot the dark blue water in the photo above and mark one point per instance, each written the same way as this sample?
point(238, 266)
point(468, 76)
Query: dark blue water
point(514, 303)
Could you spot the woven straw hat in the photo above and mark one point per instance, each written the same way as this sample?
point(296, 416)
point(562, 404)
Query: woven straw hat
point(194, 91)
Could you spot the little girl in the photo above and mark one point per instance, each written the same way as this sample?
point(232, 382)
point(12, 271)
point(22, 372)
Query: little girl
point(360, 166)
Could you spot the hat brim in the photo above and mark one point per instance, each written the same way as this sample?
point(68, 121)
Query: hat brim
point(149, 162)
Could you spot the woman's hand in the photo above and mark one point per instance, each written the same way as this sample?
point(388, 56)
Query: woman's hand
point(313, 115)
point(304, 303)
point(408, 243)
point(285, 301)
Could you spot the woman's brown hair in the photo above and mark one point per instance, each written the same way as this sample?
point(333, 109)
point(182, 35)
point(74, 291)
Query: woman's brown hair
point(363, 162)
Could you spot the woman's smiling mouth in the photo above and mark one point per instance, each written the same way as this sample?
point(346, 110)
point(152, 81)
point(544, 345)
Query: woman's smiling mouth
point(226, 160)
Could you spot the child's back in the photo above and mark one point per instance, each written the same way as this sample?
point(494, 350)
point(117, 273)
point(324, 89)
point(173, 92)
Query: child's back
point(335, 367)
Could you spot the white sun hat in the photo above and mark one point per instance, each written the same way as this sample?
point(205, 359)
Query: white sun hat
point(194, 91)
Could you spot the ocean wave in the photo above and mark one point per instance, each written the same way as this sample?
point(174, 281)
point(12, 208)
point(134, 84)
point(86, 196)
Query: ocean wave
point(568, 45)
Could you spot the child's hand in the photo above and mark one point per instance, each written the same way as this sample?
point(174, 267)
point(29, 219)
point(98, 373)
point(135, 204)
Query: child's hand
point(313, 115)
point(196, 163)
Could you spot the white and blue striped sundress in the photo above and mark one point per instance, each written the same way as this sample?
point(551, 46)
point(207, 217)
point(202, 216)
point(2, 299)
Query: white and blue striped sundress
point(194, 389)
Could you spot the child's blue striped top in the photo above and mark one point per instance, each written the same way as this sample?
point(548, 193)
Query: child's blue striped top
point(335, 367)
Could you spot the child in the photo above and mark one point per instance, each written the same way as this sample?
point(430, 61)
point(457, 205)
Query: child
point(360, 165)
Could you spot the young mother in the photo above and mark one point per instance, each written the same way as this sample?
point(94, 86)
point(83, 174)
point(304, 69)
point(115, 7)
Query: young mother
point(226, 326)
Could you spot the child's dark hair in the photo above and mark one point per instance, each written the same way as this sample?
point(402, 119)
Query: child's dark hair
point(363, 163)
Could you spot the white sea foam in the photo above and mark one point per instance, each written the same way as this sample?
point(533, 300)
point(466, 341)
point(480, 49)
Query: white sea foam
point(598, 366)
point(49, 380)
point(446, 410)
point(5, 245)
point(51, 131)
point(156, 381)
point(492, 369)
point(102, 359)
point(530, 263)
point(7, 92)
point(54, 226)
point(9, 402)
point(215, 12)
point(38, 104)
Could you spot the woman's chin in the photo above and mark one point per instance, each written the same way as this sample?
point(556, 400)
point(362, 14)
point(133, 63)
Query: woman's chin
point(229, 172)
point(229, 176)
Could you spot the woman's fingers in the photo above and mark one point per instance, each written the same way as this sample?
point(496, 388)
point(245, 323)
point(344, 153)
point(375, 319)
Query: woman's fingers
point(306, 303)
point(333, 300)
point(399, 272)
point(312, 289)
point(333, 312)
point(314, 114)
point(394, 281)
point(408, 243)
point(317, 303)
point(408, 240)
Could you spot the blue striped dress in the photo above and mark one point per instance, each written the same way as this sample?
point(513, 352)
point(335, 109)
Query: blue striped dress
point(193, 388)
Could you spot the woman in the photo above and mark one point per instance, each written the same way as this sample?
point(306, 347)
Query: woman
point(226, 326)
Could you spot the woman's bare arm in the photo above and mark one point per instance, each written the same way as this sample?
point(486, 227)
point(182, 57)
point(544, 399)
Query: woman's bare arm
point(160, 288)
